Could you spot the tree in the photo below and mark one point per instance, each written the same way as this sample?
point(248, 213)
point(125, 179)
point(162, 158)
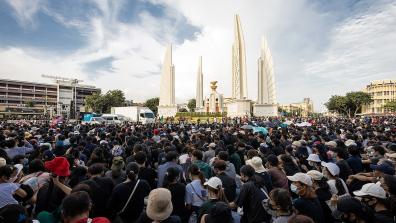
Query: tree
point(95, 102)
point(390, 106)
point(100, 103)
point(349, 104)
point(183, 110)
point(356, 100)
point(191, 104)
point(337, 104)
point(30, 104)
point(112, 98)
point(152, 104)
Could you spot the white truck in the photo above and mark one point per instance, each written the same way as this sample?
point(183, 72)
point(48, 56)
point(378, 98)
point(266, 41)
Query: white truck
point(135, 114)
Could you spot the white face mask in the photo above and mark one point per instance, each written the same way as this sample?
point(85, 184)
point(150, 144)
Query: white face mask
point(294, 188)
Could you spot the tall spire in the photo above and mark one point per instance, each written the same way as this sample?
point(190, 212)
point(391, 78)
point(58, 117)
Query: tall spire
point(199, 93)
point(167, 87)
point(239, 79)
point(266, 78)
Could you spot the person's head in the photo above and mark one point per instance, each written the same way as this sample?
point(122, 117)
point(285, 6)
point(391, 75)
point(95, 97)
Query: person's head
point(197, 155)
point(36, 165)
point(351, 210)
point(171, 156)
point(280, 200)
point(382, 168)
point(223, 155)
point(75, 205)
point(159, 204)
point(300, 219)
point(172, 175)
point(272, 161)
point(246, 172)
point(14, 213)
point(6, 173)
point(96, 169)
point(219, 213)
point(372, 195)
point(319, 181)
point(378, 150)
point(330, 170)
point(388, 182)
point(195, 173)
point(301, 185)
point(132, 171)
point(219, 166)
point(230, 149)
point(140, 157)
point(251, 153)
point(215, 189)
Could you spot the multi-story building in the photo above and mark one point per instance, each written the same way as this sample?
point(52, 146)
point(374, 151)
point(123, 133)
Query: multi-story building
point(21, 98)
point(381, 91)
point(303, 108)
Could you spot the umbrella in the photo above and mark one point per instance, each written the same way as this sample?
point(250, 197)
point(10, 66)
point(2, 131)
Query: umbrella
point(288, 123)
point(262, 130)
point(246, 127)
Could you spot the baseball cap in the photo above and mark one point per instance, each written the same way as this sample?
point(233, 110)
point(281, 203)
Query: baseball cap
point(350, 142)
point(332, 168)
point(302, 178)
point(314, 158)
point(331, 144)
point(212, 145)
point(371, 189)
point(3, 162)
point(214, 182)
point(384, 168)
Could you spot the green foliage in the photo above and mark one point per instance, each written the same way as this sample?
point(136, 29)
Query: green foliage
point(152, 104)
point(192, 104)
point(100, 103)
point(349, 104)
point(30, 104)
point(390, 106)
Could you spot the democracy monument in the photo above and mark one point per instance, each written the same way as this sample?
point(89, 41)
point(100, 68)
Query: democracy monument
point(239, 105)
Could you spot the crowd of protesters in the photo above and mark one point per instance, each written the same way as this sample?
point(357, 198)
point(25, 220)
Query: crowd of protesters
point(332, 170)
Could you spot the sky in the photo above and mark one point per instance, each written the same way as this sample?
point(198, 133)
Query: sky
point(319, 47)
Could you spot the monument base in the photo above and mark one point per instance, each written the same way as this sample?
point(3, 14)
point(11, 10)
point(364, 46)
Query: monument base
point(167, 111)
point(238, 108)
point(265, 110)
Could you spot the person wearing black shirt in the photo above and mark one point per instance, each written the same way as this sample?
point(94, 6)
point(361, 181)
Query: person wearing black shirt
point(250, 198)
point(145, 173)
point(100, 187)
point(122, 192)
point(178, 191)
point(228, 182)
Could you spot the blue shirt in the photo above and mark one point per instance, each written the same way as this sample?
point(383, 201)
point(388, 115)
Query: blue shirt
point(6, 192)
point(12, 152)
point(162, 171)
point(195, 194)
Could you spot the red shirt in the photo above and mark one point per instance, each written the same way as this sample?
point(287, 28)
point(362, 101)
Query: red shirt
point(94, 220)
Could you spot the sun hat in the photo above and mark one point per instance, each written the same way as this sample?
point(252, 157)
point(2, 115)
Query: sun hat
point(214, 182)
point(159, 205)
point(332, 168)
point(371, 189)
point(212, 145)
point(314, 158)
point(296, 144)
point(315, 175)
point(118, 163)
point(257, 163)
point(350, 142)
point(59, 166)
point(384, 168)
point(302, 178)
point(332, 144)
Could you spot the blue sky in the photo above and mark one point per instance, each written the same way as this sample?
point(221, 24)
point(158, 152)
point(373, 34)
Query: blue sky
point(319, 47)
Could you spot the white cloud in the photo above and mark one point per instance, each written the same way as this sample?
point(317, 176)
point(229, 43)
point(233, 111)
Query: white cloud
point(25, 11)
point(316, 54)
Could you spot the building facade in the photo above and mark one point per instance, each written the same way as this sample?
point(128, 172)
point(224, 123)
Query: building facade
point(303, 108)
point(381, 91)
point(21, 98)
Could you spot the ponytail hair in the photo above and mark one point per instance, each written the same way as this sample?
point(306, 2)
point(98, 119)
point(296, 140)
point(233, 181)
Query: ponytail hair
point(194, 170)
point(132, 171)
point(220, 193)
